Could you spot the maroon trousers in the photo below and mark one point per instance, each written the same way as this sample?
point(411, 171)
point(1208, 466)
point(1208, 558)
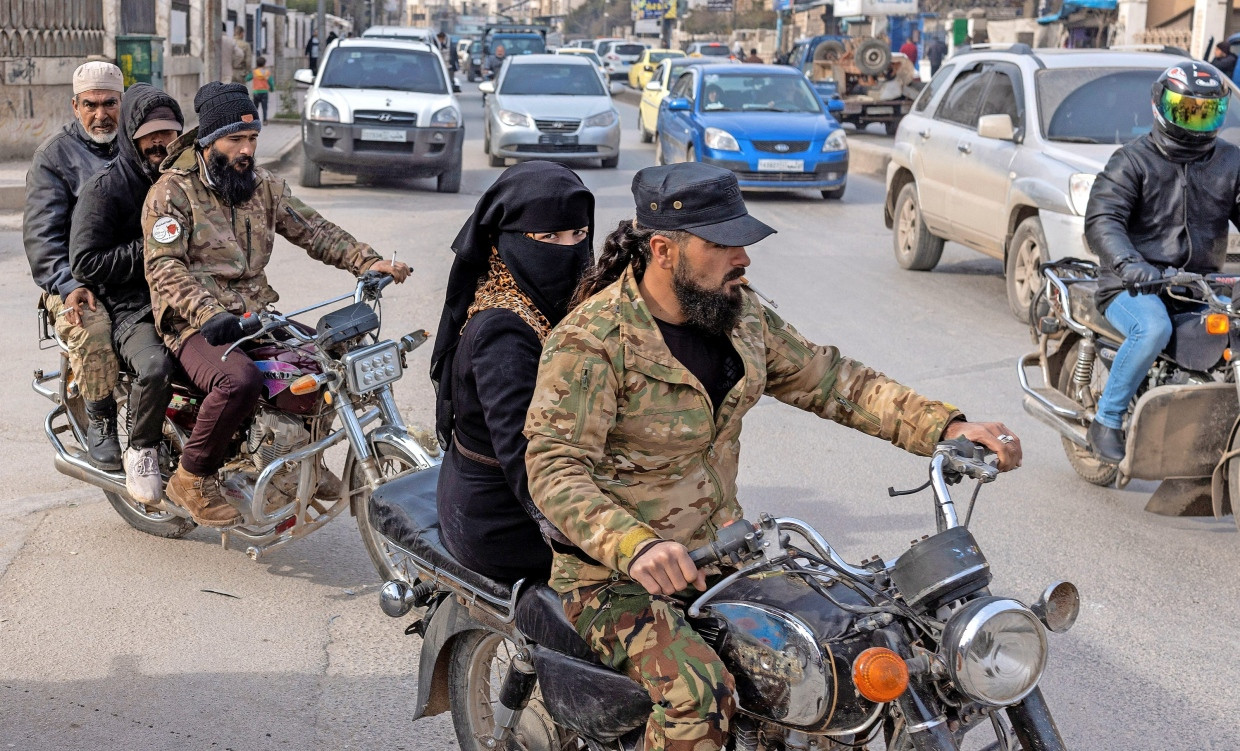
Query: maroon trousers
point(232, 388)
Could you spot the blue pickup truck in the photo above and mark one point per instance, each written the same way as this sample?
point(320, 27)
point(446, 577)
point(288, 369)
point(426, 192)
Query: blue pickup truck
point(860, 72)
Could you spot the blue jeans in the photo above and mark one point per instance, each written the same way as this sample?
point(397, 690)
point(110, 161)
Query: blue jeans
point(1146, 326)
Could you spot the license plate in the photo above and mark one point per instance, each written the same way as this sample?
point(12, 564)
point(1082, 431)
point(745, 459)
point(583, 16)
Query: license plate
point(383, 134)
point(558, 139)
point(1233, 243)
point(781, 165)
point(881, 111)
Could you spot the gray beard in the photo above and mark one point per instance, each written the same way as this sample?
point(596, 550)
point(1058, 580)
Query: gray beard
point(109, 138)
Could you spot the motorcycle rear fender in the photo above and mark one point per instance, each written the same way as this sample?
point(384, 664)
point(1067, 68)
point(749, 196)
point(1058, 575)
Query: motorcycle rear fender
point(447, 622)
point(588, 698)
point(1180, 431)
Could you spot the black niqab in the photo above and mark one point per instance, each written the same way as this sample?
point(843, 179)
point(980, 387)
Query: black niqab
point(532, 196)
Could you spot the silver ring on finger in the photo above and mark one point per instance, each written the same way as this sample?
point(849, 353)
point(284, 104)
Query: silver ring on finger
point(1005, 438)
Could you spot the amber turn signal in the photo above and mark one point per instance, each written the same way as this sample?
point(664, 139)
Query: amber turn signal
point(880, 675)
point(1227, 354)
point(1217, 323)
point(307, 384)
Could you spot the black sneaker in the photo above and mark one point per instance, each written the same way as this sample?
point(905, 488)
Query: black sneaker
point(103, 448)
point(1106, 443)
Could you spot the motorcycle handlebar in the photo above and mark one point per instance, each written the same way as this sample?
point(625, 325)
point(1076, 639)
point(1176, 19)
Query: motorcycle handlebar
point(732, 544)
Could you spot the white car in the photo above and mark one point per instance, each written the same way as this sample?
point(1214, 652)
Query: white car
point(380, 106)
point(1000, 151)
point(618, 55)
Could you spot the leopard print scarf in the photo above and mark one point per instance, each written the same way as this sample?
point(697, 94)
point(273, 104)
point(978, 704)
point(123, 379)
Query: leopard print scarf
point(499, 290)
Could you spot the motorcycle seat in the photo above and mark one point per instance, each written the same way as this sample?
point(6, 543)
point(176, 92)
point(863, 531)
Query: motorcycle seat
point(540, 616)
point(404, 511)
point(1084, 310)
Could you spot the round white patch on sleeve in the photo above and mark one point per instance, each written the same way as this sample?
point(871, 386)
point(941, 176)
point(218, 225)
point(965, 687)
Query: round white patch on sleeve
point(166, 229)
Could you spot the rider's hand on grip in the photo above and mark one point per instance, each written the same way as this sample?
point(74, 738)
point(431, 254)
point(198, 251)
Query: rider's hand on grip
point(664, 568)
point(225, 328)
point(1134, 274)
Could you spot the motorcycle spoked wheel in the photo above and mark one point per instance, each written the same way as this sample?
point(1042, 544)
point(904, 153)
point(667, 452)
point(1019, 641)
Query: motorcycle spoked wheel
point(476, 671)
point(392, 461)
point(141, 517)
point(1091, 469)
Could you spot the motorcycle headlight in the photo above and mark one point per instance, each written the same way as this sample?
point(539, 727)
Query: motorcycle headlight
point(447, 117)
point(1079, 186)
point(996, 650)
point(721, 140)
point(837, 141)
point(601, 120)
point(515, 119)
point(371, 367)
point(324, 111)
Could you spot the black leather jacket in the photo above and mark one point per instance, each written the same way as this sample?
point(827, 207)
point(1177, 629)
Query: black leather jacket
point(1160, 204)
point(105, 251)
point(60, 168)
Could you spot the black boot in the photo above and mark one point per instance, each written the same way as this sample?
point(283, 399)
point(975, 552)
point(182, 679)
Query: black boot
point(1106, 443)
point(102, 445)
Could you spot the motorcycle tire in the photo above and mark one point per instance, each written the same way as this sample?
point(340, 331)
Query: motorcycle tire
point(392, 461)
point(1091, 469)
point(476, 670)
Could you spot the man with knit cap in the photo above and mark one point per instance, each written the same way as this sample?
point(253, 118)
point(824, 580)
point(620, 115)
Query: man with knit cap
point(209, 224)
point(58, 172)
point(106, 253)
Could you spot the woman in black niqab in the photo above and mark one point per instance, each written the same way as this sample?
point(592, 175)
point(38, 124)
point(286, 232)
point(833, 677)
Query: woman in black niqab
point(518, 259)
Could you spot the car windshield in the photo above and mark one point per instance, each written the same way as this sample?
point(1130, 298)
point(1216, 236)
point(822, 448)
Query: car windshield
point(628, 50)
point(587, 54)
point(519, 45)
point(384, 68)
point(740, 92)
point(656, 57)
point(714, 50)
point(550, 79)
point(1100, 105)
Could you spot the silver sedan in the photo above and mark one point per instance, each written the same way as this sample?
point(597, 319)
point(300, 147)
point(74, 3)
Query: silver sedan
point(550, 107)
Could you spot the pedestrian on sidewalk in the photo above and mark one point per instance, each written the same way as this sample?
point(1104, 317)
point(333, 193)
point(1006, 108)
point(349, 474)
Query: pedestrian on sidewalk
point(106, 253)
point(260, 84)
point(312, 52)
point(60, 169)
point(241, 61)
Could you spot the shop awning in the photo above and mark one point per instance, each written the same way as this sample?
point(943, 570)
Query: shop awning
point(1068, 8)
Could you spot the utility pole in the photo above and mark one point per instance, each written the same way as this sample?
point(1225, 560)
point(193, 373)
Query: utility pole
point(321, 23)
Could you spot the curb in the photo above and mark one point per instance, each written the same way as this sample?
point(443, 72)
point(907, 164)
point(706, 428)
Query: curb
point(283, 156)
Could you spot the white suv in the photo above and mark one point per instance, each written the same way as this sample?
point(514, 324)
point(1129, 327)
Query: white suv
point(382, 106)
point(1002, 147)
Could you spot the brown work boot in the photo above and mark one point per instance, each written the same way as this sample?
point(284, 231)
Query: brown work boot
point(330, 487)
point(201, 497)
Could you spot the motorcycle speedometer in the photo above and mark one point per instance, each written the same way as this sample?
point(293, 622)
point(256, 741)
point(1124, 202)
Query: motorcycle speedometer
point(996, 650)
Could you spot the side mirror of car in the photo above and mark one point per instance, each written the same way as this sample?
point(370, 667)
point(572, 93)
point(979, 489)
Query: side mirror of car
point(647, 68)
point(653, 86)
point(304, 75)
point(679, 104)
point(996, 126)
point(487, 87)
point(616, 88)
point(835, 105)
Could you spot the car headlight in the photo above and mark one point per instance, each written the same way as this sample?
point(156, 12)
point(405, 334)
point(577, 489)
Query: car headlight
point(602, 119)
point(1079, 186)
point(372, 367)
point(324, 111)
point(447, 117)
point(996, 650)
point(721, 140)
point(837, 141)
point(515, 119)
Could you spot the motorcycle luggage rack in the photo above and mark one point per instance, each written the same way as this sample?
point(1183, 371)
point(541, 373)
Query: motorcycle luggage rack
point(503, 610)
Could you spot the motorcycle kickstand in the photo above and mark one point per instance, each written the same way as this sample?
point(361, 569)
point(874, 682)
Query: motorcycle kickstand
point(514, 695)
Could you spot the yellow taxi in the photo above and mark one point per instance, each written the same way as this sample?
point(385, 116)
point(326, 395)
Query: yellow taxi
point(655, 90)
point(643, 70)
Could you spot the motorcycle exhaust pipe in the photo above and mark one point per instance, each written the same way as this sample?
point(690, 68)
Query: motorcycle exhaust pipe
point(1068, 430)
point(113, 482)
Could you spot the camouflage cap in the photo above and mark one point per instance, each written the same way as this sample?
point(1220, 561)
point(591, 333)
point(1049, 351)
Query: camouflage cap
point(702, 199)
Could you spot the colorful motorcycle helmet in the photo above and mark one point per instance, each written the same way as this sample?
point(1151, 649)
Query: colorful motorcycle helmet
point(1190, 102)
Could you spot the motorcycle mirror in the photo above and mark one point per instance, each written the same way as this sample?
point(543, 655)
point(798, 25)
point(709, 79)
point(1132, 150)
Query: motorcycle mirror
point(1058, 606)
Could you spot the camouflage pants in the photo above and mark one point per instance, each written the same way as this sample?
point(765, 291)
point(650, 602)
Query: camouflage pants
point(647, 638)
point(90, 348)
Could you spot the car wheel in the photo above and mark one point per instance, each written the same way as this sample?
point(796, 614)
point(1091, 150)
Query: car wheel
point(311, 173)
point(647, 136)
point(611, 163)
point(916, 248)
point(1025, 253)
point(892, 126)
point(496, 161)
point(450, 181)
point(658, 151)
point(834, 194)
point(689, 156)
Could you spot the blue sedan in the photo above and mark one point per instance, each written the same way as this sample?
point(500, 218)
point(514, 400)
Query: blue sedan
point(763, 122)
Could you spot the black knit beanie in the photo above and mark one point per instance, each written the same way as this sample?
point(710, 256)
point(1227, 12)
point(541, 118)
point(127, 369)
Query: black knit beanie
point(224, 109)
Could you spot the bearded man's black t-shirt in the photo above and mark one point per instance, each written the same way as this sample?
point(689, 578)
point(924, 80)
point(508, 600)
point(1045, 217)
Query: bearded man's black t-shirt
point(711, 358)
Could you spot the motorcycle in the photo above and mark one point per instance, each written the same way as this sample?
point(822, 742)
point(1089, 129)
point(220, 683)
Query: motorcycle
point(1184, 424)
point(825, 654)
point(338, 370)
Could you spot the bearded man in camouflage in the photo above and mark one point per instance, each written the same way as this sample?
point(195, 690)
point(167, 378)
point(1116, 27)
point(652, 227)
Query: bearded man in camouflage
point(209, 225)
point(635, 424)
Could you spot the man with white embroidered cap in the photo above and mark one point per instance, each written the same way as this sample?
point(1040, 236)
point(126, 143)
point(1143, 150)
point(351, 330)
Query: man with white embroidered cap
point(58, 171)
point(209, 225)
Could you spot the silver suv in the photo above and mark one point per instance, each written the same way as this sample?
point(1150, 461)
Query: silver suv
point(1000, 151)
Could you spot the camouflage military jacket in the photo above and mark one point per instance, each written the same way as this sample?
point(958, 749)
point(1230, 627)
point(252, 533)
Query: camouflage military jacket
point(205, 257)
point(624, 444)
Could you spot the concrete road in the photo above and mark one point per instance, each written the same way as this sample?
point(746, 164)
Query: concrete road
point(111, 639)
